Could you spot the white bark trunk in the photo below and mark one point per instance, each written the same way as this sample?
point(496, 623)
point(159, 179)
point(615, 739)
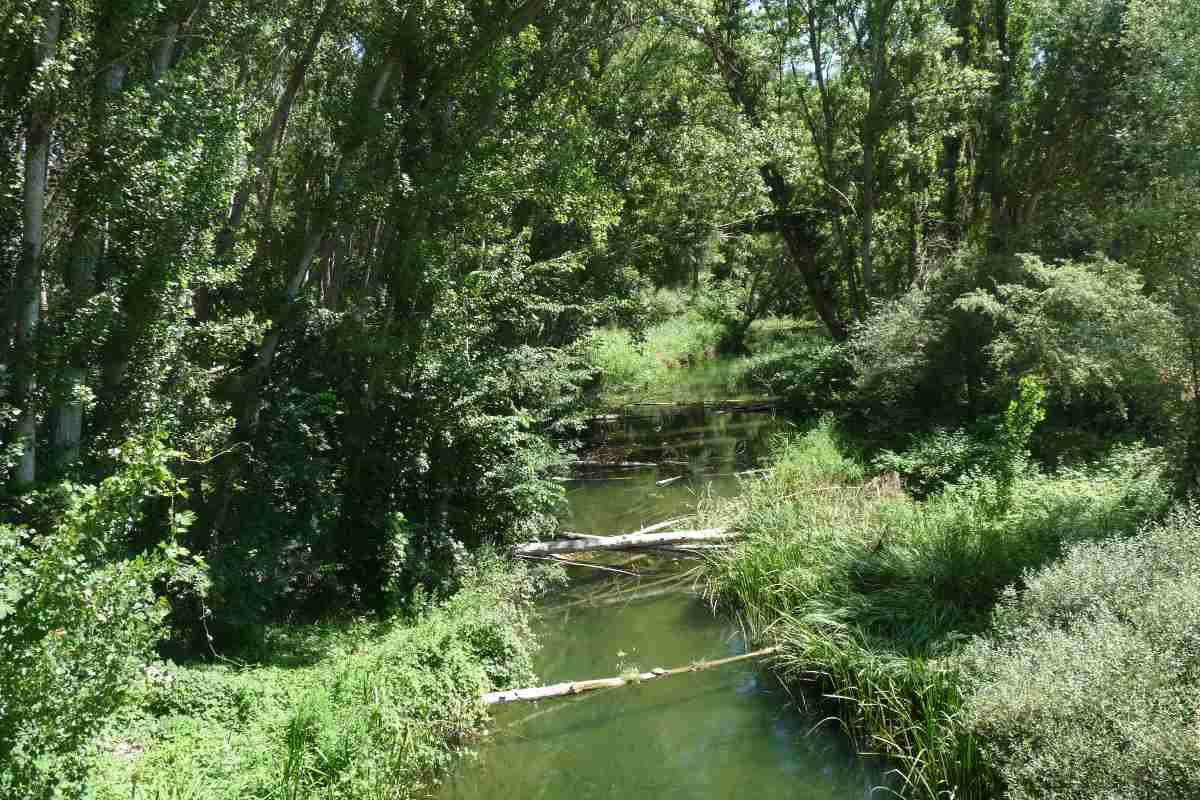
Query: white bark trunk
point(29, 280)
point(80, 276)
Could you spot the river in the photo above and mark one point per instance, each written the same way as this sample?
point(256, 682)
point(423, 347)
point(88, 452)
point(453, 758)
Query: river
point(722, 733)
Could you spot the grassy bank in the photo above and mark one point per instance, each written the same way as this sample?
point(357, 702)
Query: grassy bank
point(900, 613)
point(632, 369)
point(358, 711)
point(662, 364)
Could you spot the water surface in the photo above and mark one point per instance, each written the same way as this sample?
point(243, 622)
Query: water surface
point(722, 733)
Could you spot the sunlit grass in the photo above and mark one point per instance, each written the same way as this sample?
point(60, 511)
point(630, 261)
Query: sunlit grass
point(366, 712)
point(872, 596)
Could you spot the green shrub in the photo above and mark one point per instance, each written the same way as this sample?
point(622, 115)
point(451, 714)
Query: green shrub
point(208, 695)
point(1088, 685)
point(952, 351)
point(934, 460)
point(368, 715)
point(78, 618)
point(872, 595)
point(808, 372)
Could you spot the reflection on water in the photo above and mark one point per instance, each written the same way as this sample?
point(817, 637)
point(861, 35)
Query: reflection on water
point(715, 734)
point(703, 447)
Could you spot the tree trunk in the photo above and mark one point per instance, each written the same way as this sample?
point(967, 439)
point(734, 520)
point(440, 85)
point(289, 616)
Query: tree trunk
point(826, 134)
point(799, 235)
point(28, 283)
point(268, 139)
point(868, 217)
point(959, 17)
point(999, 138)
point(628, 541)
point(88, 240)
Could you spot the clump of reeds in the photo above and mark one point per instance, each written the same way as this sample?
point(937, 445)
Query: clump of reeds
point(872, 596)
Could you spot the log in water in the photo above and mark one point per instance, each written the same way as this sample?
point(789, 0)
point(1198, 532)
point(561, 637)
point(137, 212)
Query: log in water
point(579, 687)
point(628, 541)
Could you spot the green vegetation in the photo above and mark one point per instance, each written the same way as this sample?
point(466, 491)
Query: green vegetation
point(873, 596)
point(302, 305)
point(679, 359)
point(365, 711)
point(632, 370)
point(1086, 686)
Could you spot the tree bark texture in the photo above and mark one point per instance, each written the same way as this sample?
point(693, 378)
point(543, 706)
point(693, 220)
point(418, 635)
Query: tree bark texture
point(28, 282)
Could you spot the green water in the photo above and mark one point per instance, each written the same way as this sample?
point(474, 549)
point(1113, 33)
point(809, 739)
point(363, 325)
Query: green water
point(722, 733)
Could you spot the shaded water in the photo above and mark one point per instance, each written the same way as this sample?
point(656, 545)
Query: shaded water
point(721, 733)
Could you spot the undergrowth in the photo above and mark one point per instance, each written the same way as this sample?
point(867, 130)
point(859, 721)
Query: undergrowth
point(872, 596)
point(631, 369)
point(369, 711)
point(1087, 685)
point(660, 364)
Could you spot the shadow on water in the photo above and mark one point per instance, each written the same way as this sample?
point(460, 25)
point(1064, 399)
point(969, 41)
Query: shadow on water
point(722, 733)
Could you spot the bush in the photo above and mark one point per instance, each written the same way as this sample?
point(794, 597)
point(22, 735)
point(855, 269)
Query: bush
point(809, 373)
point(78, 618)
point(1087, 686)
point(871, 596)
point(368, 714)
point(948, 354)
point(934, 460)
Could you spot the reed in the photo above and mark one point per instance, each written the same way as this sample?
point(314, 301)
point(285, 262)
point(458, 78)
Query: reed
point(871, 595)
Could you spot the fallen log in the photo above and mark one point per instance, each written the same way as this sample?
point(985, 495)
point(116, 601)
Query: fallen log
point(577, 535)
point(658, 526)
point(573, 563)
point(579, 687)
point(629, 541)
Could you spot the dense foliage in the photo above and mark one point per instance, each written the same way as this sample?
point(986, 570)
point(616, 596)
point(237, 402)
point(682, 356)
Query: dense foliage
point(873, 596)
point(365, 712)
point(302, 303)
point(1087, 685)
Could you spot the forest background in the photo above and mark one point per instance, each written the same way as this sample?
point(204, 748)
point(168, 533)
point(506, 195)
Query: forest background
point(303, 302)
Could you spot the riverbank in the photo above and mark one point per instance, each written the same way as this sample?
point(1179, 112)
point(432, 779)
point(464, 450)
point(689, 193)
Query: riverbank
point(363, 710)
point(677, 360)
point(907, 618)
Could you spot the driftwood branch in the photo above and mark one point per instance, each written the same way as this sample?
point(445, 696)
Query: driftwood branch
point(578, 687)
point(658, 526)
point(629, 541)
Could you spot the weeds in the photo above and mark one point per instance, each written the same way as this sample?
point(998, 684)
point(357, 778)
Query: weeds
point(378, 716)
point(872, 596)
point(654, 367)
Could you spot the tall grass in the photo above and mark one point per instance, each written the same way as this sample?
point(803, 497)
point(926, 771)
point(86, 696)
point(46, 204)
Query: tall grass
point(631, 370)
point(378, 714)
point(872, 595)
